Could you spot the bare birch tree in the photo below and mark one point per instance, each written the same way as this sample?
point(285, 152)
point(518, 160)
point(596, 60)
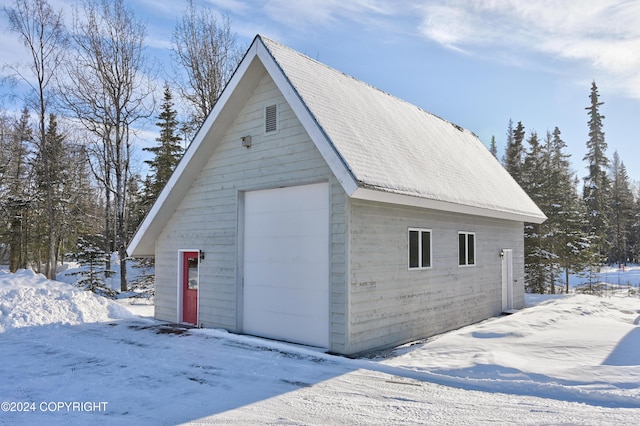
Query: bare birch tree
point(41, 30)
point(107, 90)
point(206, 51)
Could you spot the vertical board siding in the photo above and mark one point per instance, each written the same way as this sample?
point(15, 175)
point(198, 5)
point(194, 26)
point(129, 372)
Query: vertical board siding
point(390, 304)
point(384, 303)
point(207, 218)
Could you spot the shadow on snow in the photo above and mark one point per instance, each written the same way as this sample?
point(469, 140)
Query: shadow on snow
point(627, 351)
point(156, 373)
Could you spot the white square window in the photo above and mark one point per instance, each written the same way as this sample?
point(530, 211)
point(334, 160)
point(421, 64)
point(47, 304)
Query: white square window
point(419, 248)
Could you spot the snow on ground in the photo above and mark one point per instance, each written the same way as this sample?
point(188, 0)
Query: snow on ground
point(613, 276)
point(579, 348)
point(142, 306)
point(69, 357)
point(28, 299)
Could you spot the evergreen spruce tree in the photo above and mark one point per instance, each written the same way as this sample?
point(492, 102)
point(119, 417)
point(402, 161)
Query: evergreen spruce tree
point(513, 158)
point(5, 132)
point(138, 203)
point(577, 255)
point(80, 207)
point(621, 207)
point(509, 142)
point(549, 204)
point(167, 154)
point(17, 197)
point(144, 285)
point(533, 180)
point(50, 179)
point(90, 254)
point(493, 147)
point(634, 240)
point(596, 183)
point(565, 212)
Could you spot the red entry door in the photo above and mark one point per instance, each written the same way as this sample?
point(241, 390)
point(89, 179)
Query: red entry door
point(190, 287)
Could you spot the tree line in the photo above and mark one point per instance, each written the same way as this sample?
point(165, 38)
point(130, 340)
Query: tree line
point(591, 221)
point(70, 185)
point(69, 180)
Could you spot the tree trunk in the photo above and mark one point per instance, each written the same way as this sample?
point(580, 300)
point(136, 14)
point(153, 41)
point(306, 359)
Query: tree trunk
point(51, 261)
point(120, 172)
point(107, 226)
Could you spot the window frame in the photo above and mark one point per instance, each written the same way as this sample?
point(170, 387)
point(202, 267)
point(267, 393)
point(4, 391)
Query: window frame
point(469, 249)
point(421, 265)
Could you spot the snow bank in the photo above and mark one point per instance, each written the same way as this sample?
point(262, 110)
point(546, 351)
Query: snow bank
point(579, 348)
point(29, 299)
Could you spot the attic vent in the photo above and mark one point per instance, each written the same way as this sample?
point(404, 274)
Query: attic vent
point(270, 118)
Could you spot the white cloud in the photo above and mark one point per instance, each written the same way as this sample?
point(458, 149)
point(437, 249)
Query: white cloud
point(231, 6)
point(604, 34)
point(300, 13)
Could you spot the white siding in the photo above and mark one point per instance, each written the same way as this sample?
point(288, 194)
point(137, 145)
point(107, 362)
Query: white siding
point(375, 300)
point(208, 218)
point(390, 304)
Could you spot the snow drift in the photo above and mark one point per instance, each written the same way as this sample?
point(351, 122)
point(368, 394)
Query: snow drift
point(28, 299)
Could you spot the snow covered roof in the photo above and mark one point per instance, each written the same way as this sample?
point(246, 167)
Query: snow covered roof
point(393, 146)
point(380, 147)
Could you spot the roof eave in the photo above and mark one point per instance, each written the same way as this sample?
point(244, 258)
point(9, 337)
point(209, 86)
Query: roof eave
point(362, 193)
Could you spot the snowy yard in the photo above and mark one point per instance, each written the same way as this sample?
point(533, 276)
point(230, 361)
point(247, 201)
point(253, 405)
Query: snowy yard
point(69, 356)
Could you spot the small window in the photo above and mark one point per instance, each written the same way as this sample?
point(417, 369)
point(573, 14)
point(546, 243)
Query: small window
point(271, 118)
point(419, 248)
point(192, 271)
point(466, 248)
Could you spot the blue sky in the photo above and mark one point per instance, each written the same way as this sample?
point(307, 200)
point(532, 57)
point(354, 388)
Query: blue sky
point(475, 63)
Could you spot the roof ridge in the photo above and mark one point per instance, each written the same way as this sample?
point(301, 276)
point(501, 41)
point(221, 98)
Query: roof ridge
point(362, 82)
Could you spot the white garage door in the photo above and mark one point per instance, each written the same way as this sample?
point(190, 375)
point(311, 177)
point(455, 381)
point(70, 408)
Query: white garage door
point(286, 264)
